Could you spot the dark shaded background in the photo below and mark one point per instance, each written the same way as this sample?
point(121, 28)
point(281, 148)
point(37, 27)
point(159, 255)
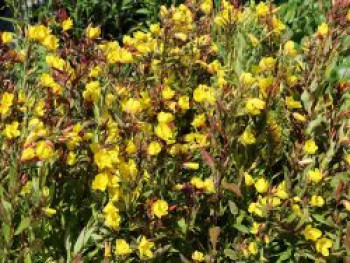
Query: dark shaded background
point(5, 12)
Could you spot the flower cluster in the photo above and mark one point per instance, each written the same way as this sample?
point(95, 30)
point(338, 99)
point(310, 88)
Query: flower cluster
point(212, 136)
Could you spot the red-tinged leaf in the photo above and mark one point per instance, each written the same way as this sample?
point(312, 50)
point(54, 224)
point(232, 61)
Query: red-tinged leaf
point(208, 159)
point(339, 191)
point(232, 187)
point(347, 238)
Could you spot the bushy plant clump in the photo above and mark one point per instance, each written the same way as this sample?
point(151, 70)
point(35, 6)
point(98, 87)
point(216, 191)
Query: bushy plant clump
point(211, 137)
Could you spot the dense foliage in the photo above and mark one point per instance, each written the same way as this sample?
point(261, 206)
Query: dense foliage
point(115, 18)
point(209, 137)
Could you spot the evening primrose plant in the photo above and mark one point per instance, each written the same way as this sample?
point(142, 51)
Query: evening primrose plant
point(209, 137)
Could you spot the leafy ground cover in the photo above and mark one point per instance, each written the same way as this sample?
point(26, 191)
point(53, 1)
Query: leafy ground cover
point(219, 134)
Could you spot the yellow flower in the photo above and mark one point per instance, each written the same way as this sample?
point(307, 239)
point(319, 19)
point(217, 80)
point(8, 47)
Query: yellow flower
point(204, 93)
point(299, 117)
point(273, 201)
point(112, 217)
point(50, 42)
point(125, 56)
point(67, 24)
point(6, 37)
point(292, 80)
point(39, 109)
point(255, 228)
point(168, 93)
point(198, 121)
point(278, 25)
point(216, 67)
point(71, 158)
point(248, 179)
point(106, 158)
point(11, 130)
point(46, 80)
point(165, 117)
point(253, 248)
point(49, 211)
point(191, 165)
point(264, 84)
point(347, 158)
point(6, 103)
point(92, 91)
point(132, 106)
point(38, 32)
point(323, 245)
point(155, 29)
point(254, 106)
point(208, 186)
point(296, 209)
point(112, 220)
point(267, 63)
point(46, 191)
point(206, 6)
point(266, 239)
point(255, 208)
point(100, 182)
point(198, 256)
point(122, 247)
point(292, 104)
point(27, 154)
point(130, 147)
point(262, 9)
point(289, 48)
point(160, 208)
point(184, 103)
point(323, 29)
point(262, 185)
point(95, 72)
point(348, 15)
point(315, 175)
point(197, 182)
point(219, 21)
point(145, 247)
point(310, 147)
point(44, 150)
point(311, 233)
point(55, 62)
point(281, 191)
point(92, 32)
point(317, 200)
point(253, 40)
point(296, 199)
point(164, 132)
point(154, 148)
point(247, 78)
point(248, 137)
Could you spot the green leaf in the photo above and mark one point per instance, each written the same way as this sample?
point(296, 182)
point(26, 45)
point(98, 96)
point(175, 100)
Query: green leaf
point(28, 258)
point(6, 231)
point(182, 224)
point(233, 208)
point(142, 11)
point(314, 124)
point(82, 240)
point(23, 225)
point(305, 98)
point(321, 219)
point(241, 228)
point(230, 253)
point(285, 255)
